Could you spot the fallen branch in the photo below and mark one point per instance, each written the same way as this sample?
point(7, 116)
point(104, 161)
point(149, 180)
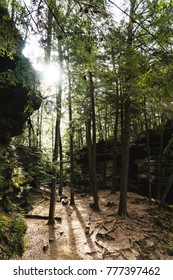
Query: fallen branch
point(39, 217)
point(104, 235)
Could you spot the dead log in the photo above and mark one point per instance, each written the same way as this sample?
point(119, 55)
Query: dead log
point(41, 217)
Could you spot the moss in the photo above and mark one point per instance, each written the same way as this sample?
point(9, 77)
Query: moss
point(12, 230)
point(18, 227)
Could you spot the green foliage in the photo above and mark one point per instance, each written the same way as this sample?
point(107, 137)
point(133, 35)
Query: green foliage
point(19, 69)
point(4, 222)
point(18, 226)
point(9, 36)
point(18, 178)
point(12, 230)
point(34, 164)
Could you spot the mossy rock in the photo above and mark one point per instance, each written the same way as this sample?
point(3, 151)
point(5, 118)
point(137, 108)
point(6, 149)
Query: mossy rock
point(12, 230)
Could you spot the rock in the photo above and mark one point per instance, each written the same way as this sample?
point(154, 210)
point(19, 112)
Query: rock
point(18, 83)
point(58, 218)
point(64, 201)
point(110, 204)
point(51, 240)
point(45, 247)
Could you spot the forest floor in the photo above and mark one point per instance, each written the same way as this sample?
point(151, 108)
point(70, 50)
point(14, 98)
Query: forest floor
point(83, 234)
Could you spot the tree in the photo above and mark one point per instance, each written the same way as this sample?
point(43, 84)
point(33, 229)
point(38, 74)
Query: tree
point(122, 210)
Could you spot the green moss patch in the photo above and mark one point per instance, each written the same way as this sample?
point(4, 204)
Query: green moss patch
point(12, 230)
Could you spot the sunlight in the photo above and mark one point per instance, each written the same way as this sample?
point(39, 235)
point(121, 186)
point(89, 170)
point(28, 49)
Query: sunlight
point(51, 74)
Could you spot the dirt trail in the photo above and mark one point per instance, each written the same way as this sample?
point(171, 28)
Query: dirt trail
point(84, 234)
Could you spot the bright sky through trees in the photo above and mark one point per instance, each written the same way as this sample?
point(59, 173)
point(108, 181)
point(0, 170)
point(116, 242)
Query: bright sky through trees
point(51, 73)
point(36, 54)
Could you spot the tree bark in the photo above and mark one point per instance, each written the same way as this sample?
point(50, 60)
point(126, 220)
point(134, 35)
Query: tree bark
point(122, 210)
point(71, 129)
point(93, 150)
point(89, 146)
point(105, 148)
point(114, 167)
point(58, 118)
point(148, 152)
point(159, 187)
point(61, 166)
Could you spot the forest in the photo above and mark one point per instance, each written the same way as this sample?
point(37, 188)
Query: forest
point(86, 129)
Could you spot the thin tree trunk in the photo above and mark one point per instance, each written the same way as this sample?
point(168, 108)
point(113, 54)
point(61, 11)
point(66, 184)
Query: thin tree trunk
point(29, 133)
point(122, 210)
point(61, 166)
point(72, 201)
point(13, 3)
point(105, 149)
point(148, 152)
point(93, 152)
point(54, 175)
point(159, 190)
point(40, 127)
point(53, 130)
point(57, 127)
point(114, 167)
point(89, 146)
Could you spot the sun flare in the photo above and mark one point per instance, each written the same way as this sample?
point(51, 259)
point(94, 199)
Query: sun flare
point(51, 74)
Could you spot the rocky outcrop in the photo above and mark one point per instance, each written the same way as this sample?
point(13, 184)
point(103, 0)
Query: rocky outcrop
point(161, 165)
point(16, 105)
point(19, 96)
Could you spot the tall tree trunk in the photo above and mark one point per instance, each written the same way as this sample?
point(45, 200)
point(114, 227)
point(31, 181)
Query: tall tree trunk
point(148, 152)
point(159, 187)
point(105, 148)
point(13, 4)
point(29, 133)
point(55, 153)
point(54, 175)
point(89, 146)
point(61, 167)
point(114, 167)
point(53, 132)
point(71, 128)
point(93, 150)
point(49, 36)
point(57, 138)
point(40, 126)
point(122, 210)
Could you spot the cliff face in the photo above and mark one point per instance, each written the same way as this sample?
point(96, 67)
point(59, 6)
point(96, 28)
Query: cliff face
point(161, 164)
point(19, 96)
point(16, 105)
